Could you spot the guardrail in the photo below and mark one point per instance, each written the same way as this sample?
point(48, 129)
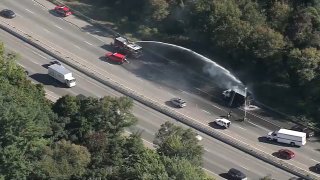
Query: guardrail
point(157, 106)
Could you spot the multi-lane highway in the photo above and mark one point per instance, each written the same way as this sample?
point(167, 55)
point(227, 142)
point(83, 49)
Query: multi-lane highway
point(218, 157)
point(159, 80)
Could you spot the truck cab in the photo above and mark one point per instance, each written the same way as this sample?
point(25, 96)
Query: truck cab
point(116, 57)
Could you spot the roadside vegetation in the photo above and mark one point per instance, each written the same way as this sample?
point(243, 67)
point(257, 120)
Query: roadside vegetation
point(83, 137)
point(273, 45)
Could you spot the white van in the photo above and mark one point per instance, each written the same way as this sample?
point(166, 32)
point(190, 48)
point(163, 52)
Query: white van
point(223, 122)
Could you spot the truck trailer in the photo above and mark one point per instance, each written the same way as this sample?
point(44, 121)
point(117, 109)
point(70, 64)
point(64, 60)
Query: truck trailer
point(62, 74)
point(294, 138)
point(236, 97)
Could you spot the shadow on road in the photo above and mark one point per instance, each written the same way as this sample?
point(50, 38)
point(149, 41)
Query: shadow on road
point(215, 126)
point(264, 139)
point(169, 103)
point(225, 176)
point(45, 79)
point(54, 13)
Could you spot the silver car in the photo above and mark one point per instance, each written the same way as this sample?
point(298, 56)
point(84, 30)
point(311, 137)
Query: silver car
point(178, 102)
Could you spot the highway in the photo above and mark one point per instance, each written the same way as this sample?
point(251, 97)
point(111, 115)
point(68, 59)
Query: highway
point(218, 157)
point(159, 80)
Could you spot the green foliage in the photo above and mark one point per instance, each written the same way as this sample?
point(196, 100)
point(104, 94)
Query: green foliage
point(174, 141)
point(304, 64)
point(62, 160)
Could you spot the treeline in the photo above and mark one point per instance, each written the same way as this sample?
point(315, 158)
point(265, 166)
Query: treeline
point(83, 137)
point(275, 42)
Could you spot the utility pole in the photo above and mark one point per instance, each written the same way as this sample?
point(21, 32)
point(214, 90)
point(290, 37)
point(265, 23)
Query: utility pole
point(245, 104)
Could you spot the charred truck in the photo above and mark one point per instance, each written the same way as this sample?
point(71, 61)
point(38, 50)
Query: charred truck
point(236, 97)
point(127, 47)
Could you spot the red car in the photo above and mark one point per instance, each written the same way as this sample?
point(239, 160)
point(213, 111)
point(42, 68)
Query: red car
point(116, 57)
point(63, 10)
point(286, 154)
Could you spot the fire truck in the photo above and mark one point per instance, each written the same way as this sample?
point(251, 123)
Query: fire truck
point(127, 47)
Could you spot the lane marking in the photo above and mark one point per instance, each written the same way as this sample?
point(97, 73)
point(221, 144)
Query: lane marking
point(46, 30)
point(217, 107)
point(29, 11)
point(39, 54)
point(88, 43)
point(242, 128)
point(58, 27)
point(76, 46)
point(315, 160)
point(205, 111)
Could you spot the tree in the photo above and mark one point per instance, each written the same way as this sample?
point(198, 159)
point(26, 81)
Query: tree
point(264, 42)
point(158, 9)
point(174, 141)
point(304, 65)
point(62, 161)
point(181, 168)
point(279, 15)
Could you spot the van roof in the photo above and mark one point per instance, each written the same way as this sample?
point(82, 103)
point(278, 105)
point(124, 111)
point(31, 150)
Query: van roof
point(291, 132)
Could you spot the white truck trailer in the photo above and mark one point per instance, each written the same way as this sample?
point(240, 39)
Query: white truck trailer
point(294, 138)
point(62, 74)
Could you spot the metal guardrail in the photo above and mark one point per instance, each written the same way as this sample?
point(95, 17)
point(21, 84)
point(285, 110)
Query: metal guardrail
point(157, 106)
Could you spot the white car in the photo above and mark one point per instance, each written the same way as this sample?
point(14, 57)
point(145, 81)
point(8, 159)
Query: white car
point(178, 102)
point(223, 122)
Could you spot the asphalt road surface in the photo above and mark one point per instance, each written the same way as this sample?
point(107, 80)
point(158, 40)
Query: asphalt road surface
point(218, 157)
point(154, 78)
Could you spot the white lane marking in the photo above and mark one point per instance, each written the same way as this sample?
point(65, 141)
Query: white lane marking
point(100, 39)
point(315, 160)
point(217, 107)
point(88, 43)
point(39, 55)
point(76, 46)
point(205, 111)
point(268, 130)
point(245, 168)
point(29, 11)
point(58, 27)
point(211, 172)
point(202, 91)
point(46, 30)
point(242, 128)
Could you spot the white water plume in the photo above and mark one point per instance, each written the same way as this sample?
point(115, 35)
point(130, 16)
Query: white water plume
point(220, 75)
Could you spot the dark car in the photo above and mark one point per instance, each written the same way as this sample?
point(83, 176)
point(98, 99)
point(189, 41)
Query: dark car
point(309, 132)
point(236, 174)
point(7, 13)
point(286, 154)
point(317, 168)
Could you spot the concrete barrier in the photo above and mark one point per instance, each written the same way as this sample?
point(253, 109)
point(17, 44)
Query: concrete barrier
point(157, 106)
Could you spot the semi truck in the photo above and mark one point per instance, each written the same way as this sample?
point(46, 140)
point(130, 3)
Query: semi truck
point(127, 47)
point(294, 138)
point(62, 74)
point(236, 97)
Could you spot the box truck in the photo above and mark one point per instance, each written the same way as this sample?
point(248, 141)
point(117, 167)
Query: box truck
point(294, 138)
point(62, 74)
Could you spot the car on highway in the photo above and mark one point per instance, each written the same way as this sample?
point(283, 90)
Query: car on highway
point(178, 102)
point(317, 168)
point(116, 57)
point(309, 132)
point(63, 10)
point(223, 122)
point(7, 13)
point(236, 174)
point(286, 154)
